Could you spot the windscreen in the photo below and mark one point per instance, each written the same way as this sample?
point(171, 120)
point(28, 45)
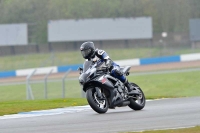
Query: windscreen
point(86, 65)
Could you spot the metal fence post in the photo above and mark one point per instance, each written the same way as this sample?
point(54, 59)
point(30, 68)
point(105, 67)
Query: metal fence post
point(63, 83)
point(28, 88)
point(45, 83)
point(30, 92)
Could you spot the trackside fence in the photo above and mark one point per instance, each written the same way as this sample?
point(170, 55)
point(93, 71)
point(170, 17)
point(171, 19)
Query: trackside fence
point(51, 87)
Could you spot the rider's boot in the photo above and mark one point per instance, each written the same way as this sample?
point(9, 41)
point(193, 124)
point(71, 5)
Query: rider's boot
point(129, 87)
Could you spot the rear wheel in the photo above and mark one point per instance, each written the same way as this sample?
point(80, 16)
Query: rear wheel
point(100, 106)
point(138, 101)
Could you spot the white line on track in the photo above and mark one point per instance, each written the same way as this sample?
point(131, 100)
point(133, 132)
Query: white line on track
point(47, 112)
point(71, 110)
point(51, 112)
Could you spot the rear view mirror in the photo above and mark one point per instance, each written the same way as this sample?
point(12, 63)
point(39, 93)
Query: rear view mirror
point(80, 69)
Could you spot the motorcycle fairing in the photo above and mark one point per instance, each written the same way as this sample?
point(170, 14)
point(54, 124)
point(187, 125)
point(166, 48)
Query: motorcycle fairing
point(115, 97)
point(112, 85)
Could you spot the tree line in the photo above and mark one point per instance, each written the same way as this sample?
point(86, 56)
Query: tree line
point(168, 15)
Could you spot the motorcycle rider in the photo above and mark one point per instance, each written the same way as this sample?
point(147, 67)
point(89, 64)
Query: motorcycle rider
point(89, 52)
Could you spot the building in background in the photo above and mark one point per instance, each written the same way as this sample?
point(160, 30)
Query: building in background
point(100, 29)
point(13, 34)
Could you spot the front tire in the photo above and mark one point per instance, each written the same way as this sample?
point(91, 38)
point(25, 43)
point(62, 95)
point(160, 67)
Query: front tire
point(138, 102)
point(100, 106)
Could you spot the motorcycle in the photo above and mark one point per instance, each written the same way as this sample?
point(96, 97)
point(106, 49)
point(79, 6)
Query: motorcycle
point(103, 91)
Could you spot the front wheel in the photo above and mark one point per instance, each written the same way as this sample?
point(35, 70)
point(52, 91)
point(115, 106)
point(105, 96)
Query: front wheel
point(100, 106)
point(137, 102)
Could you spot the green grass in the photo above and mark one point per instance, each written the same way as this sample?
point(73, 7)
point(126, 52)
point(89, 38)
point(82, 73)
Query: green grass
point(18, 92)
point(74, 57)
point(13, 107)
point(183, 84)
point(184, 130)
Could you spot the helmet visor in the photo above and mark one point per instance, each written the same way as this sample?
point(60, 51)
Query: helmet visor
point(85, 52)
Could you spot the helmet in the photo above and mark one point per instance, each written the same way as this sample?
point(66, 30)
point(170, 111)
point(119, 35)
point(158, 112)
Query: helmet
point(87, 50)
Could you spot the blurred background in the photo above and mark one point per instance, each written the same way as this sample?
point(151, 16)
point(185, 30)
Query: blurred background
point(44, 33)
point(171, 23)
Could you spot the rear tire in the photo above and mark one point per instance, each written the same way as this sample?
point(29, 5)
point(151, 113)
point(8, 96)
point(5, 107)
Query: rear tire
point(100, 106)
point(139, 102)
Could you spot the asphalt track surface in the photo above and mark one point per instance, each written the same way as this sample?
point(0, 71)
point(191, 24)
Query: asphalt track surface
point(157, 114)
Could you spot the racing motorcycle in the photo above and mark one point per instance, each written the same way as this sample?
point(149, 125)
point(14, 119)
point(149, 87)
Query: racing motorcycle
point(103, 91)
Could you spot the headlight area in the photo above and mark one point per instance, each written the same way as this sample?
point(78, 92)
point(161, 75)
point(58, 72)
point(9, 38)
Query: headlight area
point(82, 78)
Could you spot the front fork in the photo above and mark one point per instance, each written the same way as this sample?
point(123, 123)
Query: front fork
point(99, 94)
